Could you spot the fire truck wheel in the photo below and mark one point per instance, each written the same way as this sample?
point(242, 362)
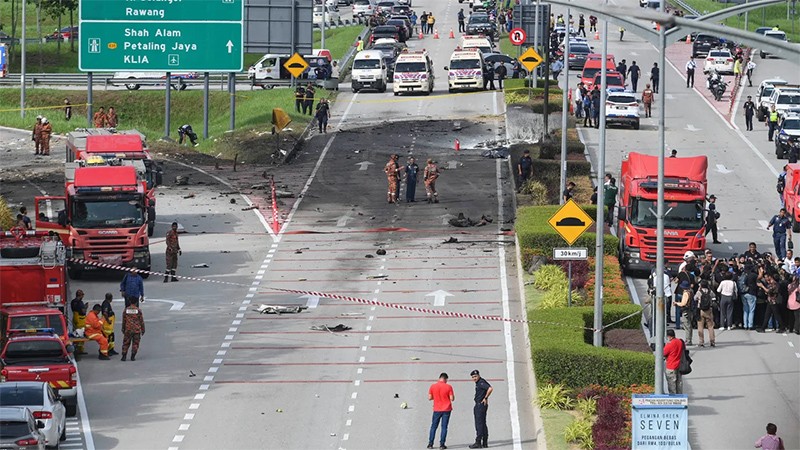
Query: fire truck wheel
point(19, 252)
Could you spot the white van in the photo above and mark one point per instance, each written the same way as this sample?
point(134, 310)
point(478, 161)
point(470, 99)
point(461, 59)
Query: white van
point(269, 67)
point(369, 71)
point(413, 71)
point(466, 70)
point(363, 8)
point(480, 42)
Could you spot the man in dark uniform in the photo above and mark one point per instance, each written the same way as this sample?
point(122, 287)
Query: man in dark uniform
point(411, 171)
point(299, 97)
point(482, 392)
point(79, 308)
point(524, 168)
point(132, 330)
point(749, 111)
point(711, 218)
point(567, 195)
point(308, 103)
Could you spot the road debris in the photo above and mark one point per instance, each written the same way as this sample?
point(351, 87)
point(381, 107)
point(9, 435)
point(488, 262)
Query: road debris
point(404, 405)
point(249, 207)
point(182, 180)
point(450, 240)
point(377, 277)
point(463, 222)
point(200, 266)
point(189, 196)
point(334, 329)
point(192, 374)
point(381, 251)
point(279, 309)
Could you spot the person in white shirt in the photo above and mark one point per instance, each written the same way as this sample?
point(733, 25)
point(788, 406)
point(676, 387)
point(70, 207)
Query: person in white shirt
point(727, 290)
point(749, 71)
point(577, 97)
point(788, 262)
point(690, 66)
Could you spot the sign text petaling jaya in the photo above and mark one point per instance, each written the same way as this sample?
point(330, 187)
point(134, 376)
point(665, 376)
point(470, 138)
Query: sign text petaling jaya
point(161, 35)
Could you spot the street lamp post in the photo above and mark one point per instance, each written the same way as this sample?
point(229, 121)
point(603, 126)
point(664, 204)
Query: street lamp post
point(564, 113)
point(601, 169)
point(22, 64)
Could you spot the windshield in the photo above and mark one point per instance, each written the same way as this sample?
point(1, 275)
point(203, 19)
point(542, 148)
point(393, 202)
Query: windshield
point(366, 64)
point(409, 67)
point(21, 396)
point(465, 64)
point(767, 92)
point(34, 349)
point(479, 19)
point(789, 99)
point(590, 73)
point(114, 212)
point(791, 124)
point(621, 99)
point(681, 215)
point(34, 322)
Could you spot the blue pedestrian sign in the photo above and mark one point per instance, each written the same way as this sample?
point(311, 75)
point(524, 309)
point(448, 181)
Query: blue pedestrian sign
point(660, 422)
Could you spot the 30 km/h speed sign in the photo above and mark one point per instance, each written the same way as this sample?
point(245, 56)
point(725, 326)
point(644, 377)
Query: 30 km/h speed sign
point(517, 36)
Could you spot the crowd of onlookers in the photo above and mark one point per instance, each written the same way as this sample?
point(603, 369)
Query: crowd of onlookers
point(750, 291)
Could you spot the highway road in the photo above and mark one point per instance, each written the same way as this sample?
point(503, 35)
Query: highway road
point(214, 373)
point(749, 379)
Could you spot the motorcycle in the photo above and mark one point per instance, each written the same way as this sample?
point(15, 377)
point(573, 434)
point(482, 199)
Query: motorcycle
point(716, 86)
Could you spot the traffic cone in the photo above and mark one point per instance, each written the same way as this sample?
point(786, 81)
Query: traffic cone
point(596, 35)
point(436, 33)
point(688, 38)
point(452, 36)
point(457, 145)
point(421, 36)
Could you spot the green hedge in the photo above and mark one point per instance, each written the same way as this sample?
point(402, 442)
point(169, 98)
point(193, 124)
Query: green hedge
point(536, 235)
point(563, 354)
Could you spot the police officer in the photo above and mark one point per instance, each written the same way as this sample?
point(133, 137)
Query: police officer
point(78, 307)
point(482, 392)
point(772, 121)
point(132, 330)
point(411, 172)
point(524, 168)
point(749, 110)
point(711, 218)
point(299, 97)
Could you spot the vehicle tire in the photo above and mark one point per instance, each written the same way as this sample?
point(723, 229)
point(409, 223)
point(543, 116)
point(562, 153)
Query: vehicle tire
point(150, 229)
point(131, 86)
point(450, 90)
point(382, 88)
point(762, 55)
point(63, 436)
point(21, 252)
point(75, 274)
point(72, 408)
point(795, 225)
point(396, 94)
point(355, 91)
point(636, 126)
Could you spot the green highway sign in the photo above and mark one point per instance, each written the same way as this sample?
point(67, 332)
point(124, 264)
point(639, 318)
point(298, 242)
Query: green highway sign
point(162, 10)
point(166, 47)
point(161, 35)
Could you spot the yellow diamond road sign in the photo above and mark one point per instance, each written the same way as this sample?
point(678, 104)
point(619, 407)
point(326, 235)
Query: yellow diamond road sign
point(296, 65)
point(530, 59)
point(570, 221)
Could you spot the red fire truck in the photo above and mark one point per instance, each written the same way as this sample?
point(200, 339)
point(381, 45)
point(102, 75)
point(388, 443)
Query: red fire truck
point(119, 147)
point(102, 216)
point(685, 186)
point(33, 281)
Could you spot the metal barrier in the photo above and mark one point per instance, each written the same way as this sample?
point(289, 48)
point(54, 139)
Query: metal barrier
point(685, 6)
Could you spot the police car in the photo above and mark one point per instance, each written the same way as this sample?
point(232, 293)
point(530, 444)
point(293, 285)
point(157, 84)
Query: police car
point(622, 108)
point(788, 135)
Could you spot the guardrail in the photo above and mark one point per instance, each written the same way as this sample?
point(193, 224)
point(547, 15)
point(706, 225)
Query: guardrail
point(107, 79)
point(685, 6)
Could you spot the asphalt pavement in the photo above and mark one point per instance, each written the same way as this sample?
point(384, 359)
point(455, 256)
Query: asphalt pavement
point(749, 379)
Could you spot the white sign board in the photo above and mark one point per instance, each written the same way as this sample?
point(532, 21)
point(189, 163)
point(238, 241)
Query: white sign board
point(570, 253)
point(660, 422)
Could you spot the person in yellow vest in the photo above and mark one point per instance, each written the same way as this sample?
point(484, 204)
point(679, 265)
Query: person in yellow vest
point(94, 330)
point(737, 69)
point(78, 307)
point(108, 325)
point(431, 22)
point(772, 121)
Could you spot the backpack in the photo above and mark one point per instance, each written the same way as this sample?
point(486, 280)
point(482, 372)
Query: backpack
point(781, 183)
point(685, 367)
point(705, 300)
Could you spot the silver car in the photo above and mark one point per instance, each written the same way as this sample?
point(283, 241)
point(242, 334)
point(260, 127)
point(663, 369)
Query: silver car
point(43, 402)
point(19, 430)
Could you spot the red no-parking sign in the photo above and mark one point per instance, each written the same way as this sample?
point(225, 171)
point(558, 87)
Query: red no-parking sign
point(517, 36)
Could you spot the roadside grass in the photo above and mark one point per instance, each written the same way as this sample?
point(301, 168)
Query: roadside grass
point(144, 110)
point(555, 422)
point(46, 57)
point(764, 17)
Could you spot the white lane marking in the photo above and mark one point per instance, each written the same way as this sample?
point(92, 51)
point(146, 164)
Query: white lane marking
point(363, 348)
point(240, 315)
point(346, 436)
point(366, 338)
point(797, 354)
point(313, 175)
point(218, 361)
point(204, 387)
point(245, 302)
point(178, 438)
point(208, 378)
point(199, 396)
point(362, 359)
point(194, 406)
point(232, 330)
point(213, 369)
point(351, 408)
point(791, 344)
point(188, 416)
point(236, 322)
point(357, 382)
point(184, 426)
point(763, 224)
point(354, 395)
point(512, 383)
point(258, 214)
point(360, 370)
point(349, 422)
point(87, 429)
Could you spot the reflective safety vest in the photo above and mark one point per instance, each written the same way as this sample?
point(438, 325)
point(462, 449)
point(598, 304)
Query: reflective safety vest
point(773, 116)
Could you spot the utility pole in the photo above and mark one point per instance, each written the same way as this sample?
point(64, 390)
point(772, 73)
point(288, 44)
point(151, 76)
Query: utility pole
point(601, 169)
point(22, 63)
point(659, 319)
point(564, 114)
point(322, 27)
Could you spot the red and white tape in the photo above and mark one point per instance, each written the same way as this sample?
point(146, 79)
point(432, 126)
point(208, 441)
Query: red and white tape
point(348, 298)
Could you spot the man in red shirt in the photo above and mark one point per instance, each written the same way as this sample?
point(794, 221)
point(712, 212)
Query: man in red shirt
point(442, 395)
point(673, 351)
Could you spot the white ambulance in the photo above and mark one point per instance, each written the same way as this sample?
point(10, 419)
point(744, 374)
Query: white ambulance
point(480, 42)
point(466, 70)
point(413, 72)
point(369, 71)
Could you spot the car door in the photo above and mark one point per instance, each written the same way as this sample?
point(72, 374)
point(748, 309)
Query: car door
point(58, 408)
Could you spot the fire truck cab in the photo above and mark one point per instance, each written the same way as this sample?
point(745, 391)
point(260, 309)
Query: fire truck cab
point(102, 217)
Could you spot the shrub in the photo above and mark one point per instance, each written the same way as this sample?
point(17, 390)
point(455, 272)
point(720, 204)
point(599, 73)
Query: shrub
point(549, 277)
point(587, 406)
point(580, 432)
point(537, 191)
point(537, 235)
point(7, 217)
point(580, 272)
point(562, 353)
point(554, 298)
point(554, 396)
point(609, 432)
point(614, 289)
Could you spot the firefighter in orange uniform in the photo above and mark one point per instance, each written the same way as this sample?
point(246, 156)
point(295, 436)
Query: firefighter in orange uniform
point(392, 171)
point(99, 118)
point(430, 175)
point(94, 330)
point(44, 137)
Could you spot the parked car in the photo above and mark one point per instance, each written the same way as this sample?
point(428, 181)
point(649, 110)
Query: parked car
point(703, 44)
point(788, 135)
point(65, 33)
point(386, 31)
point(20, 431)
point(507, 61)
point(613, 80)
point(480, 23)
point(774, 34)
point(405, 32)
point(331, 14)
point(720, 61)
point(622, 107)
point(578, 52)
point(175, 77)
point(43, 402)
